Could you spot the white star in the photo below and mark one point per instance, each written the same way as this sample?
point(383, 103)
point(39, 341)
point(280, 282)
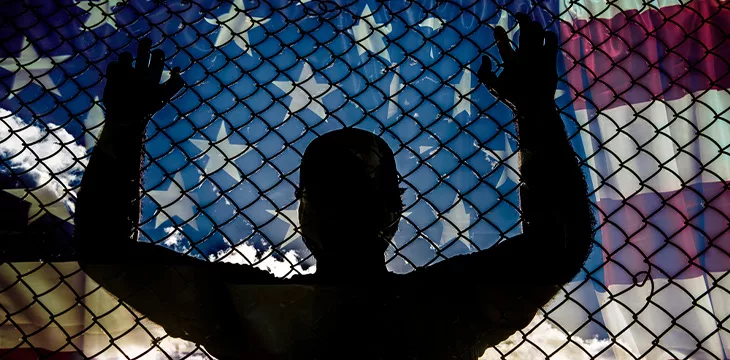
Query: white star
point(435, 23)
point(454, 221)
point(165, 76)
point(101, 13)
point(29, 66)
point(93, 124)
point(369, 34)
point(395, 86)
point(511, 162)
point(424, 148)
point(291, 217)
point(174, 202)
point(404, 219)
point(235, 24)
point(42, 201)
point(559, 93)
point(222, 153)
point(504, 16)
point(307, 92)
point(461, 95)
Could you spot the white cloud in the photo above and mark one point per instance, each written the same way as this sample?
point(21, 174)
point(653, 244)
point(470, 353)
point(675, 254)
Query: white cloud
point(179, 349)
point(176, 239)
point(167, 348)
point(247, 254)
point(49, 154)
point(547, 339)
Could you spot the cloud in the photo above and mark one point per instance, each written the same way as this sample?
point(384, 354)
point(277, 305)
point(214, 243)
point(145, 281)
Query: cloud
point(175, 239)
point(165, 349)
point(49, 154)
point(176, 348)
point(246, 254)
point(547, 339)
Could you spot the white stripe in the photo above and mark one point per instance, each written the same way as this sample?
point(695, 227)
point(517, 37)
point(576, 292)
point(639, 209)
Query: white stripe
point(655, 312)
point(653, 128)
point(601, 9)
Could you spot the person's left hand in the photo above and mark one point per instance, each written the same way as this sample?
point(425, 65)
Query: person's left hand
point(134, 93)
point(529, 78)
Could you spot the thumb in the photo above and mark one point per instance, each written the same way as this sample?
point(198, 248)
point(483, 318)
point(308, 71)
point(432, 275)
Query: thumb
point(172, 86)
point(485, 73)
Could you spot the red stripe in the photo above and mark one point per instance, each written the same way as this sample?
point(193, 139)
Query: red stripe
point(670, 231)
point(635, 57)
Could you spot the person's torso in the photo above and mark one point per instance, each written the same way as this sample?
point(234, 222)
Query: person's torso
point(387, 320)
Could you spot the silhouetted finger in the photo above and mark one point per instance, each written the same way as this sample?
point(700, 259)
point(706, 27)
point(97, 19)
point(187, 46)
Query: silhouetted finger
point(125, 61)
point(143, 54)
point(157, 62)
point(112, 70)
point(485, 74)
point(527, 32)
point(538, 34)
point(503, 44)
point(551, 47)
point(173, 85)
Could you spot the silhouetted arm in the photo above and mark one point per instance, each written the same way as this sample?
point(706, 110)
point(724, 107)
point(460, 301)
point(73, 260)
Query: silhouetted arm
point(183, 294)
point(557, 220)
point(513, 279)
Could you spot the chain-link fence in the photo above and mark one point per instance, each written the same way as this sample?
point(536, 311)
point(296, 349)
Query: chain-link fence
point(642, 92)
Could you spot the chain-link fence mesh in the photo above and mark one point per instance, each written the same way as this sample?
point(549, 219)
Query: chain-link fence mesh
point(642, 93)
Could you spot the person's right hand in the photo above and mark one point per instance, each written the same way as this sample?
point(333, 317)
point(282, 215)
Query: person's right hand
point(529, 78)
point(134, 93)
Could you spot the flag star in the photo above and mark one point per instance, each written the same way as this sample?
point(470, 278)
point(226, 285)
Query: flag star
point(222, 153)
point(31, 67)
point(503, 21)
point(175, 202)
point(559, 93)
point(435, 23)
point(395, 86)
point(101, 13)
point(306, 92)
point(370, 35)
point(235, 24)
point(93, 124)
point(461, 95)
point(404, 218)
point(510, 160)
point(165, 76)
point(427, 148)
point(455, 221)
point(291, 217)
point(42, 201)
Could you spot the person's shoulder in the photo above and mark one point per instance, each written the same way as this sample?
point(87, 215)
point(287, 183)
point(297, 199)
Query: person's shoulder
point(451, 269)
point(301, 279)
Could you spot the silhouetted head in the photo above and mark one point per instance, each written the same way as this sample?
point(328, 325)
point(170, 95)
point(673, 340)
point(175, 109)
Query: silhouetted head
point(350, 202)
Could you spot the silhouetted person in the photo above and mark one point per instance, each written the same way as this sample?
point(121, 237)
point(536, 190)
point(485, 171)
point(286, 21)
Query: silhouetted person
point(350, 204)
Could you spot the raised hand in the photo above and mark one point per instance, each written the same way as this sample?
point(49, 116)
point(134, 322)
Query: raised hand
point(134, 93)
point(529, 77)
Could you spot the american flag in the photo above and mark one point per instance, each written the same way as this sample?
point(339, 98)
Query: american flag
point(643, 93)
